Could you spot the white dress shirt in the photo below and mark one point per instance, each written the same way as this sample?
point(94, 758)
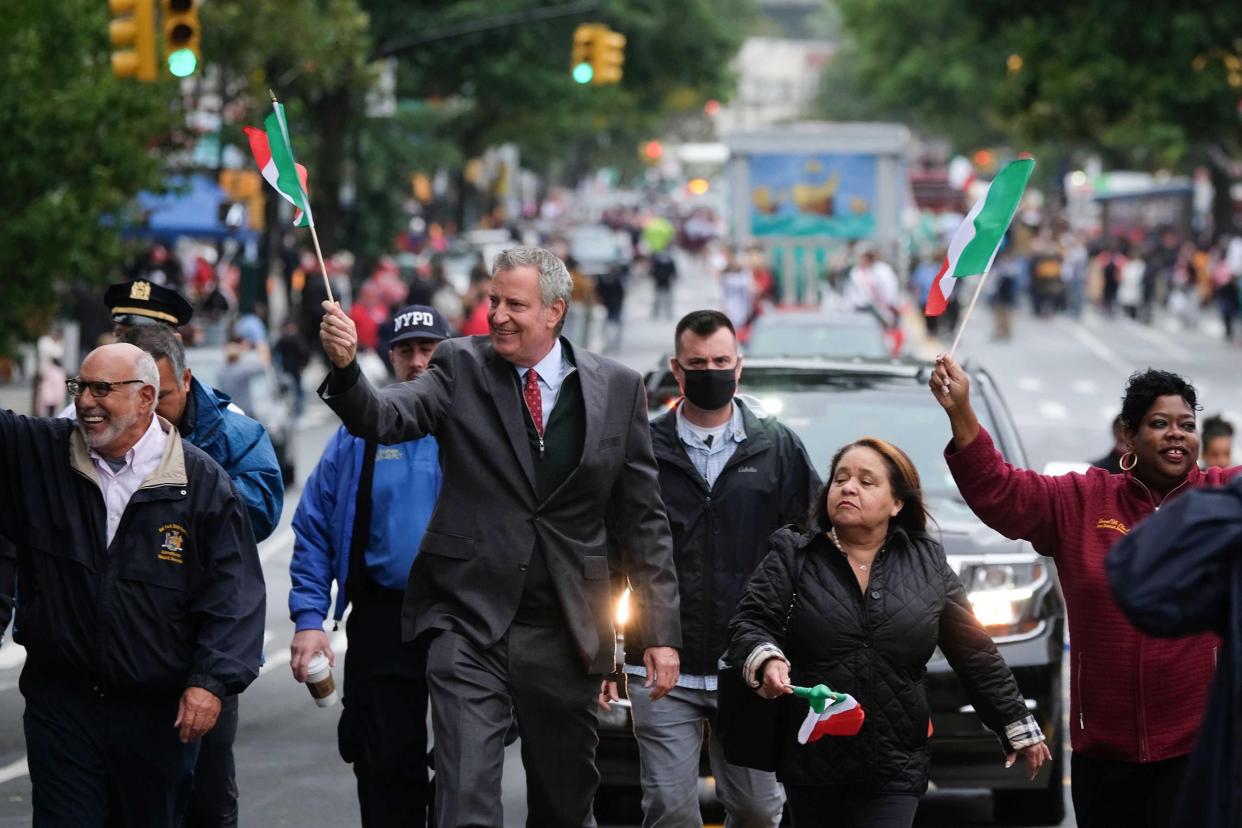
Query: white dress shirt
point(551, 370)
point(140, 461)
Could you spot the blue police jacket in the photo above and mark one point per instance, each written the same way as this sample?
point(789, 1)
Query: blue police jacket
point(404, 489)
point(241, 446)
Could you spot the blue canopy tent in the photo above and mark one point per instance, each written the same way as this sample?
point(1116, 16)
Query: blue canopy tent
point(191, 207)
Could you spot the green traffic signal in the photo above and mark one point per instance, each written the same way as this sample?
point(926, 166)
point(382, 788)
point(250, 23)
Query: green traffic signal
point(182, 63)
point(583, 72)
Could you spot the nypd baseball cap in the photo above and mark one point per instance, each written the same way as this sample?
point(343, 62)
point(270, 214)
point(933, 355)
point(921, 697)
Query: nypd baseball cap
point(418, 322)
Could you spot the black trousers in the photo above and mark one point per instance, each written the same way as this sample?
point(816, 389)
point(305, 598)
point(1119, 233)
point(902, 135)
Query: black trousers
point(97, 761)
point(213, 801)
point(1108, 792)
point(536, 673)
point(383, 727)
point(840, 806)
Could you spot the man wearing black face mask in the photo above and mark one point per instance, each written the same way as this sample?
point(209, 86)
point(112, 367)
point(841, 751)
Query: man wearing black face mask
point(729, 477)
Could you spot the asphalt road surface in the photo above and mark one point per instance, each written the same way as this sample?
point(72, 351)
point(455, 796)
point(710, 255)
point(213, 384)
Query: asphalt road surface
point(1062, 379)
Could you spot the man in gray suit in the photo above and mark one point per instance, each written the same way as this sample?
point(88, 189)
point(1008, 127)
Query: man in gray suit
point(547, 456)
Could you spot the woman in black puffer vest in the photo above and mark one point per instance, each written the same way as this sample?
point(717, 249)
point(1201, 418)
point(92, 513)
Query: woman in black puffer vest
point(859, 603)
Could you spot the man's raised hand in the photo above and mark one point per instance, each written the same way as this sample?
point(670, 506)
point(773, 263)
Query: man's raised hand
point(338, 335)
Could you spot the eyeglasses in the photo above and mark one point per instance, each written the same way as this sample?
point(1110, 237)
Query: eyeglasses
point(98, 388)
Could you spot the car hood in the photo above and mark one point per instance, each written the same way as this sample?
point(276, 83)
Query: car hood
point(964, 534)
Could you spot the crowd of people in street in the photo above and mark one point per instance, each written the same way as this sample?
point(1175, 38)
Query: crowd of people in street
point(487, 497)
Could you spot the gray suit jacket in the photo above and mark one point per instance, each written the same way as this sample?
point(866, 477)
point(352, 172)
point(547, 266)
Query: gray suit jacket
point(470, 570)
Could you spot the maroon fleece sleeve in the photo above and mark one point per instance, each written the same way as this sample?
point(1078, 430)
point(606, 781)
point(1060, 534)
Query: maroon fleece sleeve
point(1018, 503)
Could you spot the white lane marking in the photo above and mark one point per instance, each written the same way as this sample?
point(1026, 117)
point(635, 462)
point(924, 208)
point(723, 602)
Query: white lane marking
point(1095, 346)
point(275, 660)
point(12, 655)
point(1032, 384)
point(276, 543)
point(1052, 410)
point(1084, 387)
point(1161, 341)
point(14, 770)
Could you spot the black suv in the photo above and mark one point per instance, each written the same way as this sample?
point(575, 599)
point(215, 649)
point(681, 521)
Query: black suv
point(1014, 591)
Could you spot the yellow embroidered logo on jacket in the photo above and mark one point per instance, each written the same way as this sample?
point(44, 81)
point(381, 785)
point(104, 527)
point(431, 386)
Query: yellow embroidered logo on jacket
point(173, 547)
point(1114, 524)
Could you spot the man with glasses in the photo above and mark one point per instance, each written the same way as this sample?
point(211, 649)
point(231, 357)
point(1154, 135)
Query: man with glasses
point(205, 418)
point(142, 597)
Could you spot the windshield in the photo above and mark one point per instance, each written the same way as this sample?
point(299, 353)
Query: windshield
point(827, 417)
point(774, 339)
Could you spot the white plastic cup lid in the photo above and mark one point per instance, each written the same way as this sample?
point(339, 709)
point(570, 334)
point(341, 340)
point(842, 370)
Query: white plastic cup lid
point(318, 667)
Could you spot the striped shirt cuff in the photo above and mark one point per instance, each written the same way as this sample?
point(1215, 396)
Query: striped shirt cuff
point(1024, 733)
point(755, 661)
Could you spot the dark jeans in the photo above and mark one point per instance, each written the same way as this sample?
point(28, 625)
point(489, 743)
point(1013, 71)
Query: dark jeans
point(213, 802)
point(1108, 792)
point(840, 806)
point(536, 673)
point(96, 760)
point(383, 727)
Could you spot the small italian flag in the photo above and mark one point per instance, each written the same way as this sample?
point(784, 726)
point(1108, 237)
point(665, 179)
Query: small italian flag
point(273, 152)
point(976, 241)
point(831, 714)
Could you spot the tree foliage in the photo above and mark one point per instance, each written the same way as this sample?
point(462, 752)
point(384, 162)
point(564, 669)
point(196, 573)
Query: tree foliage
point(480, 89)
point(77, 146)
point(1155, 84)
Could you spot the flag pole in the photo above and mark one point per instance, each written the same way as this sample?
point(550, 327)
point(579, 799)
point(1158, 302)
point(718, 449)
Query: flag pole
point(970, 309)
point(323, 270)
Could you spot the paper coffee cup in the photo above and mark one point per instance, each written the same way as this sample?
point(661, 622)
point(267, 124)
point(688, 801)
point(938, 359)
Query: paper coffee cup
point(319, 681)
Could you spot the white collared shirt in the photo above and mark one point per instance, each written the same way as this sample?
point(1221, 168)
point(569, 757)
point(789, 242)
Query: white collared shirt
point(140, 461)
point(552, 370)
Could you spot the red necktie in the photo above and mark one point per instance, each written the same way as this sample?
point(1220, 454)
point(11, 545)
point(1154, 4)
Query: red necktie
point(534, 400)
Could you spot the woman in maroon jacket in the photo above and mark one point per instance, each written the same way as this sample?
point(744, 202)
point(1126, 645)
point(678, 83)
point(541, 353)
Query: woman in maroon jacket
point(1135, 700)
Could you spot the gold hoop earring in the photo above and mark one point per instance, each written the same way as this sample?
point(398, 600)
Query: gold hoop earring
point(1133, 461)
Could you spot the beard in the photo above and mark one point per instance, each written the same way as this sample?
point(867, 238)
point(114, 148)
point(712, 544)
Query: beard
point(112, 427)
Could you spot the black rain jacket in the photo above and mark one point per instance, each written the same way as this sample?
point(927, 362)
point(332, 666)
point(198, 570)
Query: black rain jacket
point(1180, 572)
point(720, 535)
point(176, 600)
point(874, 646)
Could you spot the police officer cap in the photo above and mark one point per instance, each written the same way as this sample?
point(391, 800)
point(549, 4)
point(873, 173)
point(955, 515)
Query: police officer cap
point(141, 302)
point(418, 322)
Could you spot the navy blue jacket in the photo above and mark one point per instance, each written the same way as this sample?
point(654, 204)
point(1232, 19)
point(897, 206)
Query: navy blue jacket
point(323, 525)
point(240, 445)
point(1180, 572)
point(176, 600)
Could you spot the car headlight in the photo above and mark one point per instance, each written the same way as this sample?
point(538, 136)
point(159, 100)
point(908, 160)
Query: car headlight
point(1003, 596)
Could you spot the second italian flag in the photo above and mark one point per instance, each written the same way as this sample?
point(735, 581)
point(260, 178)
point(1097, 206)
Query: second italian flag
point(979, 237)
point(831, 714)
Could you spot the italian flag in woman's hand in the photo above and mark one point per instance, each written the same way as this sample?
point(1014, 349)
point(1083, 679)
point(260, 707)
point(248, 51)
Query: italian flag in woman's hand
point(831, 714)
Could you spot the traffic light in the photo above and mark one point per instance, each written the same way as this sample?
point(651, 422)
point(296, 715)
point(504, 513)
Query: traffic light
point(133, 29)
point(607, 56)
point(580, 63)
point(181, 37)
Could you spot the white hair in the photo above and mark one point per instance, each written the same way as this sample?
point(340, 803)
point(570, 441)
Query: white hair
point(145, 370)
point(554, 279)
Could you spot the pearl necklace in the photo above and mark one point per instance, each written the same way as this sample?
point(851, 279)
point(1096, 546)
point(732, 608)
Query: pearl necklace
point(832, 534)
